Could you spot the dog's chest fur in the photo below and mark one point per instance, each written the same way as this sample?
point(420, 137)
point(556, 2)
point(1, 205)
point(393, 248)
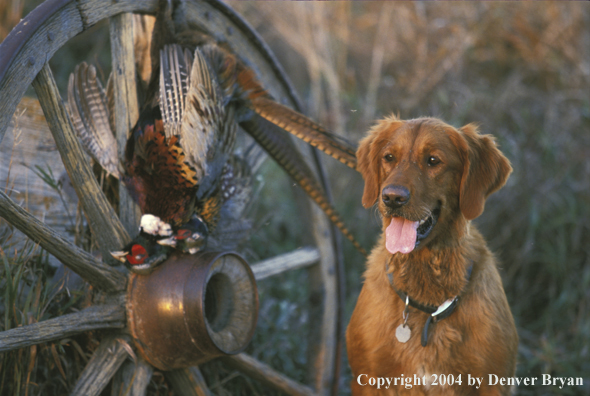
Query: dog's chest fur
point(428, 287)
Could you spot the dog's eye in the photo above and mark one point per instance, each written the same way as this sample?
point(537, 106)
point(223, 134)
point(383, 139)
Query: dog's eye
point(388, 157)
point(433, 161)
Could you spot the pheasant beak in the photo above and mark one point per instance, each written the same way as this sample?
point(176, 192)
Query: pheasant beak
point(168, 242)
point(120, 256)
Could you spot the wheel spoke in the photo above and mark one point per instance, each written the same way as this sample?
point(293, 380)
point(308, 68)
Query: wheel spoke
point(125, 104)
point(263, 373)
point(103, 220)
point(105, 362)
point(188, 382)
point(95, 272)
point(299, 258)
point(132, 379)
point(93, 318)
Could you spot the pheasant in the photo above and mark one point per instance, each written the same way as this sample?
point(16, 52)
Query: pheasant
point(178, 162)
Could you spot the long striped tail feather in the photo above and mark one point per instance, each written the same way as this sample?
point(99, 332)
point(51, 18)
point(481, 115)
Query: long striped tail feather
point(305, 129)
point(281, 150)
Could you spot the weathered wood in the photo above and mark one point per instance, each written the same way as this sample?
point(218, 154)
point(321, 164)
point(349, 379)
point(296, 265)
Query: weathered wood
point(188, 382)
point(300, 258)
point(103, 365)
point(265, 374)
point(93, 11)
point(30, 44)
point(103, 221)
point(41, 33)
point(92, 318)
point(28, 144)
point(132, 379)
point(126, 107)
point(98, 274)
point(323, 306)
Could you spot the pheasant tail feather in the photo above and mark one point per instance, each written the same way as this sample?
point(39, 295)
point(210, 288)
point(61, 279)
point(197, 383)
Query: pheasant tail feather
point(306, 130)
point(288, 158)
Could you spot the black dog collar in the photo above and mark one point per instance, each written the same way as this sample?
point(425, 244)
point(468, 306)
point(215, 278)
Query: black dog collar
point(435, 313)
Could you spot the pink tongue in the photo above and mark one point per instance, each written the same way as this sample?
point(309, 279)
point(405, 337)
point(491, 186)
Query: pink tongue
point(400, 236)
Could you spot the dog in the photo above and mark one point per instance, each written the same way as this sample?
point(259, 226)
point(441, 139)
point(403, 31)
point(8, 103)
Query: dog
point(432, 304)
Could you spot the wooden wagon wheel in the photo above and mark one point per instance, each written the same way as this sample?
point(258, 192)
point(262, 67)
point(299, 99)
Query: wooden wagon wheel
point(23, 61)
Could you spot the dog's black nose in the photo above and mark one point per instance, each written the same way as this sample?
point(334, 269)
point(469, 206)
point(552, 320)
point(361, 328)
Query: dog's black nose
point(395, 196)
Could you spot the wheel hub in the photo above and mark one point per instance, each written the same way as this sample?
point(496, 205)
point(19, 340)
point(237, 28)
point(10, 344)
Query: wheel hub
point(192, 308)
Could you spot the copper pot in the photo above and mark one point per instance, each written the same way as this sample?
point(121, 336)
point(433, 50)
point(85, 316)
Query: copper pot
point(192, 308)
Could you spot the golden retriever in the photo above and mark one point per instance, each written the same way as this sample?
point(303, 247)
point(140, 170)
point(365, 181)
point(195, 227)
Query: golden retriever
point(432, 317)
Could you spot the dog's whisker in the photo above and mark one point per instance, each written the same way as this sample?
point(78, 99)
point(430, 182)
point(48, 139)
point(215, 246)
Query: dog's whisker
point(377, 213)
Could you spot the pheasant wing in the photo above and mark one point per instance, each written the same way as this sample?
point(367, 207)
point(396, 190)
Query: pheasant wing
point(89, 113)
point(234, 226)
point(174, 84)
point(192, 111)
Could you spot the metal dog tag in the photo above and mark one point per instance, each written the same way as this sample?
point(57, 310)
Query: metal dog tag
point(403, 333)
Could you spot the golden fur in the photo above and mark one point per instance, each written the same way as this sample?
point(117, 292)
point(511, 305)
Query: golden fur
point(479, 338)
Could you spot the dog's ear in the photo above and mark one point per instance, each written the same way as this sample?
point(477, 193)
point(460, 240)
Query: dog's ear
point(485, 170)
point(369, 158)
point(369, 168)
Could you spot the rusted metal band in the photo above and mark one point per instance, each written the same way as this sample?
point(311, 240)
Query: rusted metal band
point(192, 308)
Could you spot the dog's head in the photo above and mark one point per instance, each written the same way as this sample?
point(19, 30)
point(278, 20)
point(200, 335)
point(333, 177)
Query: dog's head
point(427, 177)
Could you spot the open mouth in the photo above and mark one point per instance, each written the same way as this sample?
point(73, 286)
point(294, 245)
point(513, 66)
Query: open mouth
point(403, 235)
point(426, 225)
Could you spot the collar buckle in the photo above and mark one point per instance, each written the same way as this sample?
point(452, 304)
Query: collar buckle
point(406, 312)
